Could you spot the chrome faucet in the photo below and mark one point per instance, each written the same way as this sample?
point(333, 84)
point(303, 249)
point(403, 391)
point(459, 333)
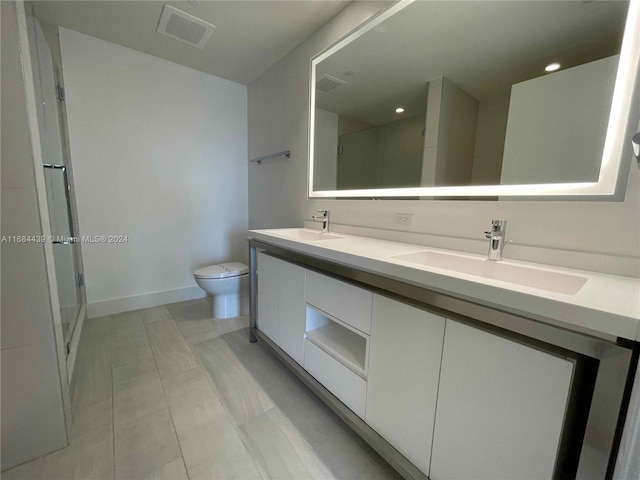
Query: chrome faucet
point(496, 239)
point(324, 218)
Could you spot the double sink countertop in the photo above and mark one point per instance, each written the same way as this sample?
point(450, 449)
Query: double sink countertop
point(579, 300)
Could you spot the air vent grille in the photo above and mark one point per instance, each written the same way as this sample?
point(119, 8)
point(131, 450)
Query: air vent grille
point(184, 27)
point(328, 83)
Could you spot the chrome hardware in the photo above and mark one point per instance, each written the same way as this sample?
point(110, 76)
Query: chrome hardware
point(635, 141)
point(67, 193)
point(324, 218)
point(259, 160)
point(496, 239)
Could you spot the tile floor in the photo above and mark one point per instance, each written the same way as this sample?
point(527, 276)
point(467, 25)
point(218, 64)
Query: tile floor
point(171, 393)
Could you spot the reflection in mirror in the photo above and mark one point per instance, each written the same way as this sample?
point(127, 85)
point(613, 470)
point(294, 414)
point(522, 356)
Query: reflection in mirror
point(456, 93)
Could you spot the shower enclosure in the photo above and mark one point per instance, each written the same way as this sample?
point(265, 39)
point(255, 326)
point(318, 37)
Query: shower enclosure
point(58, 180)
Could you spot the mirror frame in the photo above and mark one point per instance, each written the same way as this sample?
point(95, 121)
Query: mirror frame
point(617, 152)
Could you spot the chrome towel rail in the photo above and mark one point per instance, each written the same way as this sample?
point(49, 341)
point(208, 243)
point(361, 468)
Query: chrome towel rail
point(285, 153)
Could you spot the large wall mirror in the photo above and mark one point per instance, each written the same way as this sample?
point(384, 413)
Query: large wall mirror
point(488, 99)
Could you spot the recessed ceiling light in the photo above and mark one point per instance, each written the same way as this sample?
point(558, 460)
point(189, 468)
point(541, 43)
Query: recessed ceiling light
point(552, 67)
point(399, 110)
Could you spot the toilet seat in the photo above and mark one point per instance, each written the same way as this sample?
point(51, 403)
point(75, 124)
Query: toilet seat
point(223, 270)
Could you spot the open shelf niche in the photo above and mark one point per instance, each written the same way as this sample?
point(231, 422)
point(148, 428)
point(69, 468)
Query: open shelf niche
point(339, 340)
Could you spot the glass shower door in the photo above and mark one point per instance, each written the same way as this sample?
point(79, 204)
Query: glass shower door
point(57, 185)
point(57, 179)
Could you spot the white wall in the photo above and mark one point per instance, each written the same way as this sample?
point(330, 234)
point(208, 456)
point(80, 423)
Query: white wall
point(160, 155)
point(325, 150)
point(33, 421)
point(560, 115)
point(278, 120)
point(456, 135)
point(490, 132)
point(603, 236)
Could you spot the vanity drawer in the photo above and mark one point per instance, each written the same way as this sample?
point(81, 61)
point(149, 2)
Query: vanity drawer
point(344, 301)
point(335, 377)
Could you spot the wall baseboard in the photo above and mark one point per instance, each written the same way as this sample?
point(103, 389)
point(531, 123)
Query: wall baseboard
point(146, 300)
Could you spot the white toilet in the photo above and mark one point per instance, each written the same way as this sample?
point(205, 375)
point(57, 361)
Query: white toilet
point(229, 285)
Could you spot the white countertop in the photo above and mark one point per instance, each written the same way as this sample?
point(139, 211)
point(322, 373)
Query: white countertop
point(606, 305)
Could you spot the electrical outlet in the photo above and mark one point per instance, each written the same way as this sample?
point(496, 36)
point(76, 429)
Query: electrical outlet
point(403, 219)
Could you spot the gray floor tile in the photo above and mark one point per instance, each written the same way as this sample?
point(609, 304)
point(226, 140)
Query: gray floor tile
point(131, 351)
point(347, 456)
point(136, 402)
point(134, 373)
point(307, 455)
point(27, 471)
point(195, 331)
point(124, 336)
point(154, 314)
point(196, 409)
point(223, 453)
point(93, 373)
point(241, 396)
point(310, 416)
point(145, 446)
point(203, 428)
point(169, 412)
point(170, 350)
point(181, 387)
point(89, 456)
point(228, 325)
point(174, 470)
point(270, 446)
point(91, 418)
point(199, 309)
point(125, 320)
point(99, 327)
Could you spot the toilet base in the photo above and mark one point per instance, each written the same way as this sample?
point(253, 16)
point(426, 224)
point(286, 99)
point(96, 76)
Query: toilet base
point(230, 305)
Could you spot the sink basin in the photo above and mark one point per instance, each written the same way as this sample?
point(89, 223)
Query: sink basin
point(504, 272)
point(306, 235)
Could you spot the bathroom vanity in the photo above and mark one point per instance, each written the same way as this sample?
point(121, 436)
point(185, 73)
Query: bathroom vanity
point(450, 365)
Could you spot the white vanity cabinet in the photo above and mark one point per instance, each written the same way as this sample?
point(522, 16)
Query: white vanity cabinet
point(501, 408)
point(268, 295)
point(404, 366)
point(281, 308)
point(457, 401)
point(337, 338)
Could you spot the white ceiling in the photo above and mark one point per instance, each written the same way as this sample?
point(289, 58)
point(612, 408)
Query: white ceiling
point(250, 36)
point(482, 46)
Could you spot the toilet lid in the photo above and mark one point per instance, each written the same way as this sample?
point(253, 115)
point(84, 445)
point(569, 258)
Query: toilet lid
point(224, 270)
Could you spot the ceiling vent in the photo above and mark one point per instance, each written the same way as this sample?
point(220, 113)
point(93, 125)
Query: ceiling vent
point(328, 83)
point(184, 27)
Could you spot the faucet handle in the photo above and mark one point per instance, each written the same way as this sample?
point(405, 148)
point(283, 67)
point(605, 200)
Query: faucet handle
point(322, 211)
point(498, 225)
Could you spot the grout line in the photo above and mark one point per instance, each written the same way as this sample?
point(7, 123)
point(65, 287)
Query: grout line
point(211, 382)
point(113, 405)
point(166, 400)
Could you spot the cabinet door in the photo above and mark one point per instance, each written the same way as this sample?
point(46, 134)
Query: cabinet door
point(268, 295)
point(402, 387)
point(501, 408)
point(350, 304)
point(291, 327)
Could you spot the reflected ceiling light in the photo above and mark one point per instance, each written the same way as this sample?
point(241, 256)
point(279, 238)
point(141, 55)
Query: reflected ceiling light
point(552, 67)
point(399, 110)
